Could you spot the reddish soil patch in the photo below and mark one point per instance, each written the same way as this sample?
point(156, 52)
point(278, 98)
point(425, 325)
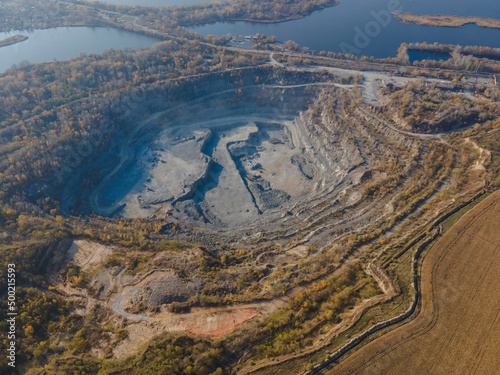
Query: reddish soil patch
point(216, 322)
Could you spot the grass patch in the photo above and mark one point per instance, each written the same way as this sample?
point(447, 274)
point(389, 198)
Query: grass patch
point(448, 223)
point(126, 18)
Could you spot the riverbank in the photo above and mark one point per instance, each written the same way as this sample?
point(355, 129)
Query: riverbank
point(298, 16)
point(13, 40)
point(448, 21)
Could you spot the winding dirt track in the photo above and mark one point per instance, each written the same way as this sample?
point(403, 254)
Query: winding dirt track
point(458, 328)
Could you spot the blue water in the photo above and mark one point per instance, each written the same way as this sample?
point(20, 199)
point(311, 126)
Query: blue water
point(365, 27)
point(479, 8)
point(62, 43)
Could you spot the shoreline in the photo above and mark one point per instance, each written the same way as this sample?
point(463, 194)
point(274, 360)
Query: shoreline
point(13, 40)
point(253, 20)
point(448, 21)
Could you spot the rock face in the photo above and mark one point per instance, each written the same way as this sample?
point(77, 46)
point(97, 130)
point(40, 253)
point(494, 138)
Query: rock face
point(86, 254)
point(171, 289)
point(305, 166)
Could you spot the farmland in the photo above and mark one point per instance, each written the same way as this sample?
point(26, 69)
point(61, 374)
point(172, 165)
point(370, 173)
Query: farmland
point(459, 317)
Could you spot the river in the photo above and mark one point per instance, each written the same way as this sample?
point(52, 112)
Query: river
point(365, 27)
point(63, 43)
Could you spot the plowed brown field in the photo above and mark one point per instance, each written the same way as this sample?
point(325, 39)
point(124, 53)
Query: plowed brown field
point(458, 328)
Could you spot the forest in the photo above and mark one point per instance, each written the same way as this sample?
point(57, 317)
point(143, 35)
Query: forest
point(41, 14)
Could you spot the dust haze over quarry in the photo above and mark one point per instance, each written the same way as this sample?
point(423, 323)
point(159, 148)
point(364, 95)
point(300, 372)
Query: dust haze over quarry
point(227, 159)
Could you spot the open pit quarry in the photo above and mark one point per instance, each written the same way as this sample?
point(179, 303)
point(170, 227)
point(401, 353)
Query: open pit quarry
point(281, 158)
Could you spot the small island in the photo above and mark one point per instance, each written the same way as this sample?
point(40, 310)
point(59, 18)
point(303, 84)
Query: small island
point(448, 21)
point(13, 40)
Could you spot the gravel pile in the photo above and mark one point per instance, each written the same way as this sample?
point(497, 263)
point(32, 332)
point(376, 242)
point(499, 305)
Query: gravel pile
point(172, 289)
